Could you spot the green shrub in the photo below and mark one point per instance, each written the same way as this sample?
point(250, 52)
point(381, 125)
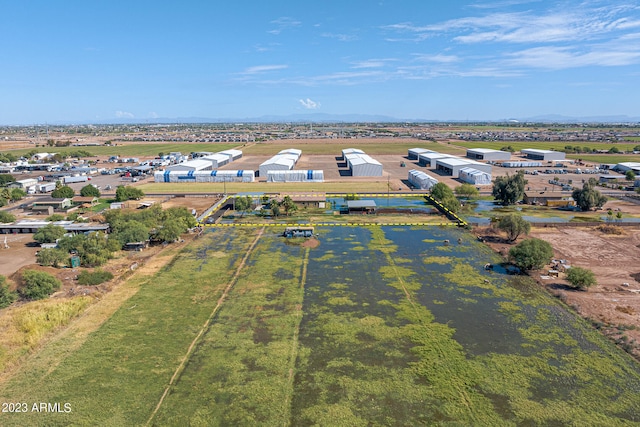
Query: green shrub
point(581, 278)
point(38, 285)
point(92, 278)
point(7, 296)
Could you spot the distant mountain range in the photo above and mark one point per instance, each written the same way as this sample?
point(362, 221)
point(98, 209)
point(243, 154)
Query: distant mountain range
point(355, 118)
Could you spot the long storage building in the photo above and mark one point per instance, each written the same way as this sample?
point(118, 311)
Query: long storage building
point(451, 166)
point(363, 165)
point(429, 159)
point(205, 176)
point(295, 176)
point(421, 180)
point(415, 152)
point(474, 176)
point(488, 154)
point(543, 155)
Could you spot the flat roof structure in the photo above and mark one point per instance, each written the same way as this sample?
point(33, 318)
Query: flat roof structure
point(361, 206)
point(453, 165)
point(544, 155)
point(488, 154)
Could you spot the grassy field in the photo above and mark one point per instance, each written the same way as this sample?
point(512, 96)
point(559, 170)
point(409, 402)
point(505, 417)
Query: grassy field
point(376, 326)
point(544, 145)
point(335, 147)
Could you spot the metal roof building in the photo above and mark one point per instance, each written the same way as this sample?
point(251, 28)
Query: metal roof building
point(217, 160)
point(205, 176)
point(415, 152)
point(421, 180)
point(232, 154)
point(363, 165)
point(487, 154)
point(452, 166)
point(628, 166)
point(277, 162)
point(191, 165)
point(543, 155)
point(428, 159)
point(474, 176)
point(295, 176)
point(348, 151)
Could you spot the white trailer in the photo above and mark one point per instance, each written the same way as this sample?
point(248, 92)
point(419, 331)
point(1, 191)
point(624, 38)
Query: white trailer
point(72, 179)
point(46, 188)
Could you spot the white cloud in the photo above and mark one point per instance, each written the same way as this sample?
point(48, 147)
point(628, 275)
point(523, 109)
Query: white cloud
point(259, 69)
point(124, 114)
point(340, 37)
point(309, 104)
point(283, 23)
point(153, 115)
point(372, 63)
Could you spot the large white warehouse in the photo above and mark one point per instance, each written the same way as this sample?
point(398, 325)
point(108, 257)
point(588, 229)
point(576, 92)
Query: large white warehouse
point(474, 176)
point(452, 166)
point(421, 180)
point(277, 162)
point(191, 165)
point(363, 165)
point(217, 160)
point(543, 155)
point(232, 154)
point(205, 176)
point(415, 152)
point(295, 176)
point(428, 159)
point(488, 154)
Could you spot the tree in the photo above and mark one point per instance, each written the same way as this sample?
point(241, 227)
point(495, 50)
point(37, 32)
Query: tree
point(124, 193)
point(170, 230)
point(129, 231)
point(466, 190)
point(581, 278)
point(243, 204)
point(509, 190)
point(38, 285)
point(6, 217)
point(89, 191)
point(514, 225)
point(49, 234)
point(275, 208)
point(7, 296)
point(588, 197)
point(52, 257)
point(288, 205)
point(5, 178)
point(62, 192)
point(630, 175)
point(531, 253)
point(17, 194)
point(442, 193)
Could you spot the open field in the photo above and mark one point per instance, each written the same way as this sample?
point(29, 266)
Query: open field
point(374, 326)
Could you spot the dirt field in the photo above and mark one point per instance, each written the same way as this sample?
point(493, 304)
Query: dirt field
point(21, 252)
point(615, 260)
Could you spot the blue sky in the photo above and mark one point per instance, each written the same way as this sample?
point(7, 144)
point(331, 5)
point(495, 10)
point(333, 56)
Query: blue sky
point(78, 61)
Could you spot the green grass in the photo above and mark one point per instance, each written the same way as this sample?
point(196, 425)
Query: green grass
point(544, 145)
point(327, 337)
point(119, 374)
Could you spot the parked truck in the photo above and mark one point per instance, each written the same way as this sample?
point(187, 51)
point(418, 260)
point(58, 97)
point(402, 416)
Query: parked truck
point(72, 179)
point(46, 188)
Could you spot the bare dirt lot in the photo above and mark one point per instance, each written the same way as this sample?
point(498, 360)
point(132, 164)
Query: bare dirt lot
point(615, 261)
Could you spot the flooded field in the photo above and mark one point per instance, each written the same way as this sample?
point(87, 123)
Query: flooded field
point(374, 326)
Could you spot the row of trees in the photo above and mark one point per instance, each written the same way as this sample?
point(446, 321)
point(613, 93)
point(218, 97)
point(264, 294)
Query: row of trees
point(509, 190)
point(95, 249)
